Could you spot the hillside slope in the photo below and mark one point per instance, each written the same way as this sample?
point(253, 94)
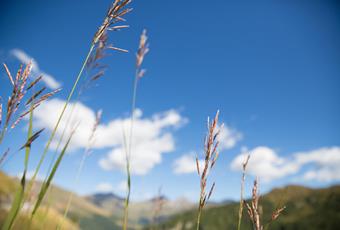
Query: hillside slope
point(98, 211)
point(306, 209)
point(82, 215)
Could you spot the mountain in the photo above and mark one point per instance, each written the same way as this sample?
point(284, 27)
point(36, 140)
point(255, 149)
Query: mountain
point(140, 213)
point(97, 211)
point(305, 209)
point(82, 214)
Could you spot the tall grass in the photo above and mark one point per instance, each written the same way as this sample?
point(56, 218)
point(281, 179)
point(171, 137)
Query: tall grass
point(143, 49)
point(115, 13)
point(19, 196)
point(98, 44)
point(20, 89)
point(94, 70)
point(240, 212)
point(158, 206)
point(210, 156)
point(46, 184)
point(253, 209)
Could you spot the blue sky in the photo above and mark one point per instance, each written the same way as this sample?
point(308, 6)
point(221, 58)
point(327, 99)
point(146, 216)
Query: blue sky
point(271, 67)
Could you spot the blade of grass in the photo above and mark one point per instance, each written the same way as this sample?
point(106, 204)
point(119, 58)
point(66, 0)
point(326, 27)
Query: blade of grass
point(15, 205)
point(46, 184)
point(59, 119)
point(143, 49)
point(127, 199)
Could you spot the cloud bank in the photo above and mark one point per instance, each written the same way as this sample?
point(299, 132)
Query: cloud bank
point(153, 136)
point(322, 164)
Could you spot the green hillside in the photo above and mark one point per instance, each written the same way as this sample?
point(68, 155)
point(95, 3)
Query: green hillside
point(99, 211)
point(83, 214)
point(306, 209)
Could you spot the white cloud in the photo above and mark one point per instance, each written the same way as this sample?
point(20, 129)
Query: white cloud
point(25, 59)
point(323, 156)
point(186, 164)
point(228, 137)
point(324, 174)
point(324, 164)
point(152, 136)
point(104, 187)
point(265, 163)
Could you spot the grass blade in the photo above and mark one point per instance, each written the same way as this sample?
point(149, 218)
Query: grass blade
point(19, 195)
point(14, 211)
point(59, 119)
point(46, 184)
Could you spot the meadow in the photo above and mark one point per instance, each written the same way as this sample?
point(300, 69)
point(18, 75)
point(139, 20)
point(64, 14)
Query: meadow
point(32, 201)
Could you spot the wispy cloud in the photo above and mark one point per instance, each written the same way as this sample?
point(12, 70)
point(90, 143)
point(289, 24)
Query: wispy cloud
point(24, 58)
point(153, 136)
point(324, 164)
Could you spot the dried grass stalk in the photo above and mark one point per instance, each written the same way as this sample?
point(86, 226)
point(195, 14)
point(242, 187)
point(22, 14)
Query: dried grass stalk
point(240, 213)
point(4, 155)
point(254, 210)
point(139, 60)
point(158, 206)
point(114, 15)
point(211, 154)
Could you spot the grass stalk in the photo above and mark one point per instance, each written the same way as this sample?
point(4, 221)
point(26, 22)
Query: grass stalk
point(211, 153)
point(46, 184)
point(19, 195)
point(59, 118)
point(240, 213)
point(198, 218)
point(143, 49)
point(128, 155)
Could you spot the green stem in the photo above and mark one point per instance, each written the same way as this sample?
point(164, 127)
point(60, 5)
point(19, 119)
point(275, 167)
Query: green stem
point(60, 140)
point(60, 117)
point(127, 200)
point(198, 218)
point(133, 107)
point(19, 196)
